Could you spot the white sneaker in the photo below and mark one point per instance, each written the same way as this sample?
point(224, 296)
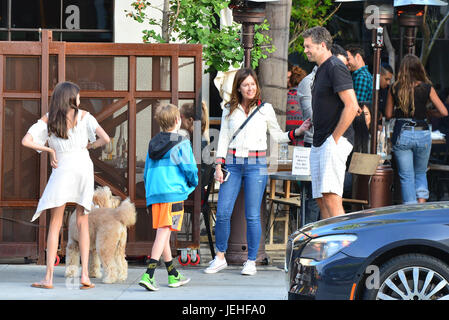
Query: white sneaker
point(216, 265)
point(249, 268)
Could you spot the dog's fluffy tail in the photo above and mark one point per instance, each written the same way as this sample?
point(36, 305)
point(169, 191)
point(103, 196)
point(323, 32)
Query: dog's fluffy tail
point(126, 213)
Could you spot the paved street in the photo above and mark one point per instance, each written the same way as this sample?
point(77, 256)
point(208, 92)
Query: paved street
point(268, 284)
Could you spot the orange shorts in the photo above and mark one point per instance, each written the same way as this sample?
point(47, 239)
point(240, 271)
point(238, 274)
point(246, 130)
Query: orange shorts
point(168, 215)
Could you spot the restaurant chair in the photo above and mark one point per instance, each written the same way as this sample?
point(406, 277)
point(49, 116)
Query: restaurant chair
point(362, 167)
point(205, 206)
point(280, 217)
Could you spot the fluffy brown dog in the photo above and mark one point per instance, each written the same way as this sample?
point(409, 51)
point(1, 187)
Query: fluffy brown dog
point(108, 231)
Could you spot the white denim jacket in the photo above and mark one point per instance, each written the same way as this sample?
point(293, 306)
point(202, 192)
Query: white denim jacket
point(253, 136)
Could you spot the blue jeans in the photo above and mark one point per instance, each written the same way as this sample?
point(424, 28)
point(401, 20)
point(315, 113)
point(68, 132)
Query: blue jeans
point(412, 152)
point(252, 174)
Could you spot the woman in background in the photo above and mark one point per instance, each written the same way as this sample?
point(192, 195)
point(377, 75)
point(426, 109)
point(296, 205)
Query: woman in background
point(407, 102)
point(296, 114)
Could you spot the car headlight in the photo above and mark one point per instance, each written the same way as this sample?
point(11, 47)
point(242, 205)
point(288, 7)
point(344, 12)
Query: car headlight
point(324, 247)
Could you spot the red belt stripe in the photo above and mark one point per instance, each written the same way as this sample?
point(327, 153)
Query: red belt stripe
point(250, 153)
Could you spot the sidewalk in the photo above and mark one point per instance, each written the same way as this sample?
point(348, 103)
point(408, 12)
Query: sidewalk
point(229, 284)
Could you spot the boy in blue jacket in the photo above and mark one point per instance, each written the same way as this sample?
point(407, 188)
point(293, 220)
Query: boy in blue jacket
point(170, 176)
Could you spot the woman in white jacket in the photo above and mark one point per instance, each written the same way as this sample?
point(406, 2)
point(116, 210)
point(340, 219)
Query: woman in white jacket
point(244, 153)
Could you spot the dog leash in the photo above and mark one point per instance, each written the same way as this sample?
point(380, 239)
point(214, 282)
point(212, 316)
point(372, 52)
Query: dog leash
point(23, 222)
point(30, 224)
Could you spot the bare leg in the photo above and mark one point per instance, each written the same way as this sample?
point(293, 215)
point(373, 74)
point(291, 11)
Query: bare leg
point(220, 255)
point(421, 200)
point(82, 223)
point(324, 212)
point(52, 243)
point(334, 204)
point(160, 243)
point(166, 254)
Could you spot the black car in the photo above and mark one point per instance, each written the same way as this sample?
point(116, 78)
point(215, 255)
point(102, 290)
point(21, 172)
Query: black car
point(391, 253)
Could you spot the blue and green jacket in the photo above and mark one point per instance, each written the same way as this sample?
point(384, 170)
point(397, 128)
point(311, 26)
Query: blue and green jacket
point(171, 173)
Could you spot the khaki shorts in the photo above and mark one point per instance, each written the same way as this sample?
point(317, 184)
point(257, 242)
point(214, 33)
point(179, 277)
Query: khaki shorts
point(328, 166)
point(168, 215)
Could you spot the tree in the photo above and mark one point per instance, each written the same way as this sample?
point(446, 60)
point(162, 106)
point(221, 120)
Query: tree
point(429, 23)
point(273, 70)
point(306, 14)
point(288, 19)
point(195, 21)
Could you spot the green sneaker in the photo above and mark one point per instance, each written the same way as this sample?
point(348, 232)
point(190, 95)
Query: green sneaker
point(180, 280)
point(148, 283)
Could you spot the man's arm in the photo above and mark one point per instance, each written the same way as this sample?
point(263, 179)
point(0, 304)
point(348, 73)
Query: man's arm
point(348, 114)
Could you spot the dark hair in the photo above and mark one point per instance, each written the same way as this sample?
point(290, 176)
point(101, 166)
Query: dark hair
point(236, 96)
point(338, 50)
point(366, 103)
point(361, 131)
point(297, 75)
point(355, 49)
point(188, 111)
point(385, 67)
point(319, 34)
point(61, 101)
point(361, 134)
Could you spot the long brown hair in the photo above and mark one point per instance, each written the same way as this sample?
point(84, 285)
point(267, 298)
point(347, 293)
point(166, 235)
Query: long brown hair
point(62, 100)
point(188, 111)
point(236, 96)
point(410, 71)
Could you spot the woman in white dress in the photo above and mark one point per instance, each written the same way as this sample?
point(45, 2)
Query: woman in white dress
point(66, 133)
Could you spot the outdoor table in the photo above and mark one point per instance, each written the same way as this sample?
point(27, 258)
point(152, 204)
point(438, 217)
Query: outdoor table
point(439, 141)
point(288, 178)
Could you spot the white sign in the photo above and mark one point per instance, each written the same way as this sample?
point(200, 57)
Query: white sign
point(301, 161)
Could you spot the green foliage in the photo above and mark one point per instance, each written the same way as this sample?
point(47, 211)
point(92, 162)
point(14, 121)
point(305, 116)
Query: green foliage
point(307, 14)
point(196, 21)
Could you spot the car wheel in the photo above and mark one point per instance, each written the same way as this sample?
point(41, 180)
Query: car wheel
point(412, 277)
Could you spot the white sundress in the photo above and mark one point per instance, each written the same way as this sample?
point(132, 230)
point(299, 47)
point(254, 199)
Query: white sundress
point(73, 179)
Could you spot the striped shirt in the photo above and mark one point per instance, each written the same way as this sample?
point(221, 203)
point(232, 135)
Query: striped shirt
point(294, 114)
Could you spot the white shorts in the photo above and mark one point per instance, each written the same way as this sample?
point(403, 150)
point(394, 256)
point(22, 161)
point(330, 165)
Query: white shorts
point(328, 166)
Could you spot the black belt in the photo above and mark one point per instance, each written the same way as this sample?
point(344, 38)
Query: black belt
point(409, 124)
point(415, 128)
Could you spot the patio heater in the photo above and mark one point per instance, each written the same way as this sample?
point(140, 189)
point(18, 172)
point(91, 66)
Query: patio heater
point(410, 16)
point(248, 13)
point(377, 14)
